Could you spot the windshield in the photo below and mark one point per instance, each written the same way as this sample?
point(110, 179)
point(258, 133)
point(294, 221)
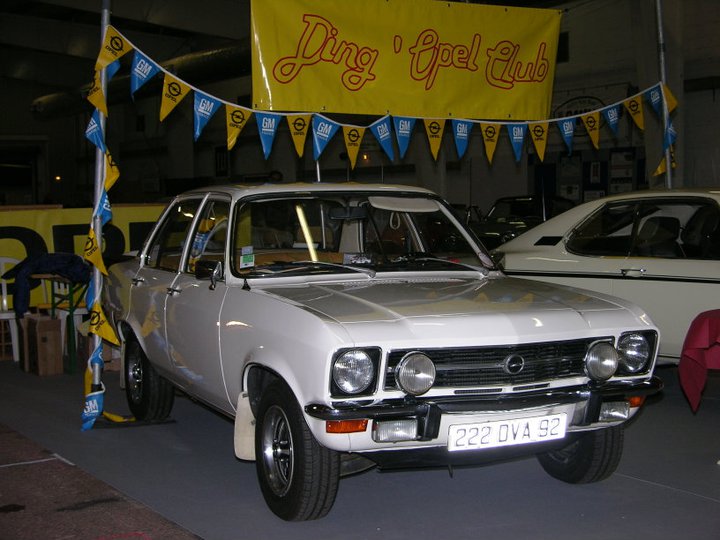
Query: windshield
point(334, 233)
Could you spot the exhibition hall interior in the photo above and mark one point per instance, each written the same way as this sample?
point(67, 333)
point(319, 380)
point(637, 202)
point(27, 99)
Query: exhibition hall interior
point(382, 269)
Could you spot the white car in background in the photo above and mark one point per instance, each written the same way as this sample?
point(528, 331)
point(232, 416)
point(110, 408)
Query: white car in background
point(333, 321)
point(657, 249)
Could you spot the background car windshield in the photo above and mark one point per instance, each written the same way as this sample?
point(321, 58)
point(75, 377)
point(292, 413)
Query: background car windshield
point(329, 234)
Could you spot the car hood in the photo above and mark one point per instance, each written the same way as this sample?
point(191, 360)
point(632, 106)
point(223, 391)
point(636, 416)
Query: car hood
point(441, 308)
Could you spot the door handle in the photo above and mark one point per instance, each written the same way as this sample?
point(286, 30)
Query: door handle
point(137, 280)
point(173, 290)
point(632, 272)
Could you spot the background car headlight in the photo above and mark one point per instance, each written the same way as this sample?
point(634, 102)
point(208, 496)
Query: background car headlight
point(353, 371)
point(634, 351)
point(415, 373)
point(601, 361)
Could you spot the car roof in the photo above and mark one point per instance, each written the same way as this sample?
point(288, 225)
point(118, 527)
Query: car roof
point(642, 194)
point(244, 190)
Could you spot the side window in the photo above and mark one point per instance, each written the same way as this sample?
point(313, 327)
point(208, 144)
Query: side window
point(208, 238)
point(700, 235)
point(607, 232)
point(165, 250)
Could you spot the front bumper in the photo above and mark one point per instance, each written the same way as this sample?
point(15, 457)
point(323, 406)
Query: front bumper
point(584, 405)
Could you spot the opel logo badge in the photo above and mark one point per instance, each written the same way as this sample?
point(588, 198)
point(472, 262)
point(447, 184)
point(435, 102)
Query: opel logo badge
point(513, 364)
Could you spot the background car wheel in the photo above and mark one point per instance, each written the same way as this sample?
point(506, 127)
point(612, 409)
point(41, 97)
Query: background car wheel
point(592, 456)
point(150, 396)
point(298, 477)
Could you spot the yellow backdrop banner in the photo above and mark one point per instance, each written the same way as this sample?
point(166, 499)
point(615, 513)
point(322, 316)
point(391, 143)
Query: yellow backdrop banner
point(418, 58)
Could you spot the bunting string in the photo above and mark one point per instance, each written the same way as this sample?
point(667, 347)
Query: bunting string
point(323, 129)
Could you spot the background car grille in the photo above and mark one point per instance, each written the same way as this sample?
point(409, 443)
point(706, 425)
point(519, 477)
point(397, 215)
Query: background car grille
point(483, 366)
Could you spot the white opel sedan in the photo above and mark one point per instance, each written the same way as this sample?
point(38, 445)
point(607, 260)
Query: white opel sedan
point(657, 249)
point(342, 325)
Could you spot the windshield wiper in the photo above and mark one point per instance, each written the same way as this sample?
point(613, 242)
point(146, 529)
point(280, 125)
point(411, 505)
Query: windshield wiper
point(296, 267)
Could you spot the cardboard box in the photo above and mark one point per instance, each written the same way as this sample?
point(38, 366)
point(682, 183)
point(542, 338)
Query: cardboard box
point(44, 355)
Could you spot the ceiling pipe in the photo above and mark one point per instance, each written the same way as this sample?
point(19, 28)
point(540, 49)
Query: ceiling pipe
point(195, 68)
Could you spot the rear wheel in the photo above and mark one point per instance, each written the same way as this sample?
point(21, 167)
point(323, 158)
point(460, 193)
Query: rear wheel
point(150, 396)
point(298, 477)
point(590, 457)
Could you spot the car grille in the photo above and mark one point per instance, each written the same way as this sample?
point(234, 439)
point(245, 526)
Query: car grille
point(485, 366)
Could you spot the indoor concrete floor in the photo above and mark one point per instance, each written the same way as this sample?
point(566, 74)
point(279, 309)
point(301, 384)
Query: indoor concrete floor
point(667, 485)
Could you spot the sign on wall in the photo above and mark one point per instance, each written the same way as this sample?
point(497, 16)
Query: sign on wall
point(419, 58)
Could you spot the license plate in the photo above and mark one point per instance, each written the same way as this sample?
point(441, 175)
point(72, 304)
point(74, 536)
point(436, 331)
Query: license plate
point(506, 432)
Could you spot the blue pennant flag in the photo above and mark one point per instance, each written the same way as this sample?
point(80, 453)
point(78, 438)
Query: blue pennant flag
point(382, 129)
point(93, 408)
point(517, 138)
point(567, 130)
point(461, 132)
point(267, 127)
point(142, 70)
point(94, 132)
point(111, 69)
point(670, 136)
point(403, 131)
point(104, 210)
point(205, 107)
point(323, 130)
point(90, 294)
point(654, 96)
point(612, 117)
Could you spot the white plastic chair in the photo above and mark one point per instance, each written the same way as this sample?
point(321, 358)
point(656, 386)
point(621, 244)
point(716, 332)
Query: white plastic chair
point(6, 263)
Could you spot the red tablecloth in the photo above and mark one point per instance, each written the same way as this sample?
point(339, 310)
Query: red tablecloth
point(701, 351)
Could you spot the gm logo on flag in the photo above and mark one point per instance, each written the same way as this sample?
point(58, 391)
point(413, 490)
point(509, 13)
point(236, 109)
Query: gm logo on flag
point(205, 108)
point(268, 126)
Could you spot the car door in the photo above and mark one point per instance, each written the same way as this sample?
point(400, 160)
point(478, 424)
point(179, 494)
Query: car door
point(161, 261)
point(665, 270)
point(193, 306)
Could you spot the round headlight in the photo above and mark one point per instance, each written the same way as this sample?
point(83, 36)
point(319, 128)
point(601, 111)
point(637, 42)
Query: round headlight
point(601, 361)
point(353, 371)
point(634, 352)
point(415, 373)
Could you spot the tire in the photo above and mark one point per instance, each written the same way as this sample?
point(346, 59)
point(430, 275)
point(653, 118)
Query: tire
point(150, 396)
point(298, 477)
point(591, 457)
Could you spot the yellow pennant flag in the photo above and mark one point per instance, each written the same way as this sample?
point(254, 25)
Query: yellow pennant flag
point(114, 46)
point(662, 166)
point(434, 129)
point(490, 133)
point(592, 126)
point(236, 118)
point(635, 107)
point(112, 173)
point(174, 90)
point(669, 98)
point(299, 125)
point(353, 137)
point(95, 94)
point(100, 326)
point(538, 134)
point(92, 252)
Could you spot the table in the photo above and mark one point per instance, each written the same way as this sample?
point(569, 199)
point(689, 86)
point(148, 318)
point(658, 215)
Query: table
point(701, 351)
point(66, 295)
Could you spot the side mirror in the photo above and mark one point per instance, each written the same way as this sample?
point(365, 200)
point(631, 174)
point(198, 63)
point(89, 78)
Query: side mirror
point(209, 269)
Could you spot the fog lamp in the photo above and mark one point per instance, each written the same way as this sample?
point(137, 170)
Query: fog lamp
point(415, 373)
point(614, 411)
point(395, 430)
point(601, 361)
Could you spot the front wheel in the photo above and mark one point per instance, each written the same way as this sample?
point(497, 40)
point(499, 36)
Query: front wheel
point(150, 396)
point(591, 456)
point(298, 477)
